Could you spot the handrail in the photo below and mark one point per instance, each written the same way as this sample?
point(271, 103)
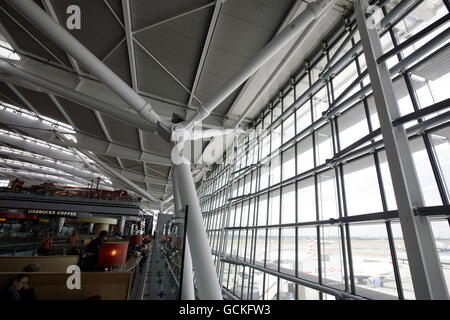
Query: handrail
point(27, 244)
point(170, 267)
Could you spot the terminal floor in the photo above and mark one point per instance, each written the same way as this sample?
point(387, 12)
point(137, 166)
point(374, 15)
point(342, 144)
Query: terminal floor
point(159, 284)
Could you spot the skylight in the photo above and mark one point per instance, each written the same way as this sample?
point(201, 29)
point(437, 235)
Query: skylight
point(6, 51)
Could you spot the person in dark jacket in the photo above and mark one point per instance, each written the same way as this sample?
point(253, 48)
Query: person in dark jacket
point(18, 289)
point(46, 245)
point(93, 251)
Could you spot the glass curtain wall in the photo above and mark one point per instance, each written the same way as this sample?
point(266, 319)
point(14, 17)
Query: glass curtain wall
point(305, 207)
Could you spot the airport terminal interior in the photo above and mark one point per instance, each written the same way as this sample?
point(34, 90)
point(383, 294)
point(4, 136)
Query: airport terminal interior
point(224, 149)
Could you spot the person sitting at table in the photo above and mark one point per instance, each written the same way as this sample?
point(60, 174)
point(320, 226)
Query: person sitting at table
point(73, 238)
point(46, 244)
point(18, 289)
point(93, 251)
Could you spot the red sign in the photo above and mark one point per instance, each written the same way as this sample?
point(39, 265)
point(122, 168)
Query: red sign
point(17, 215)
point(113, 254)
point(135, 240)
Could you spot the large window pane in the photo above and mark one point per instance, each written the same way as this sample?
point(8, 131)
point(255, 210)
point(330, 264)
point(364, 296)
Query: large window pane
point(306, 200)
point(274, 207)
point(251, 213)
point(272, 248)
point(267, 120)
point(324, 144)
point(302, 86)
point(352, 126)
point(344, 78)
point(231, 277)
point(332, 257)
point(441, 145)
point(288, 99)
point(305, 293)
point(307, 254)
point(317, 69)
point(288, 204)
point(262, 210)
point(260, 250)
point(237, 288)
point(362, 191)
point(287, 251)
point(425, 173)
point(229, 239)
point(265, 146)
point(387, 181)
point(441, 232)
point(271, 287)
point(328, 205)
point(258, 285)
point(289, 163)
point(235, 243)
point(275, 170)
point(249, 247)
point(287, 290)
point(320, 103)
point(226, 268)
point(305, 155)
point(244, 218)
point(403, 98)
point(276, 138)
point(402, 260)
point(289, 128)
point(431, 79)
point(374, 120)
point(372, 262)
point(237, 219)
point(276, 112)
point(264, 182)
point(303, 116)
point(242, 244)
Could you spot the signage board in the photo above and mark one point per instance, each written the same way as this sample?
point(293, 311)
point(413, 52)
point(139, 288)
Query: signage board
point(52, 212)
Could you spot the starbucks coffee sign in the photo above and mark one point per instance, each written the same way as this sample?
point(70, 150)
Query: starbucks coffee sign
point(52, 212)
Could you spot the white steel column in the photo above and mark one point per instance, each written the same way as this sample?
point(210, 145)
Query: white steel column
point(207, 282)
point(122, 225)
point(91, 227)
point(187, 287)
point(425, 267)
point(60, 225)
